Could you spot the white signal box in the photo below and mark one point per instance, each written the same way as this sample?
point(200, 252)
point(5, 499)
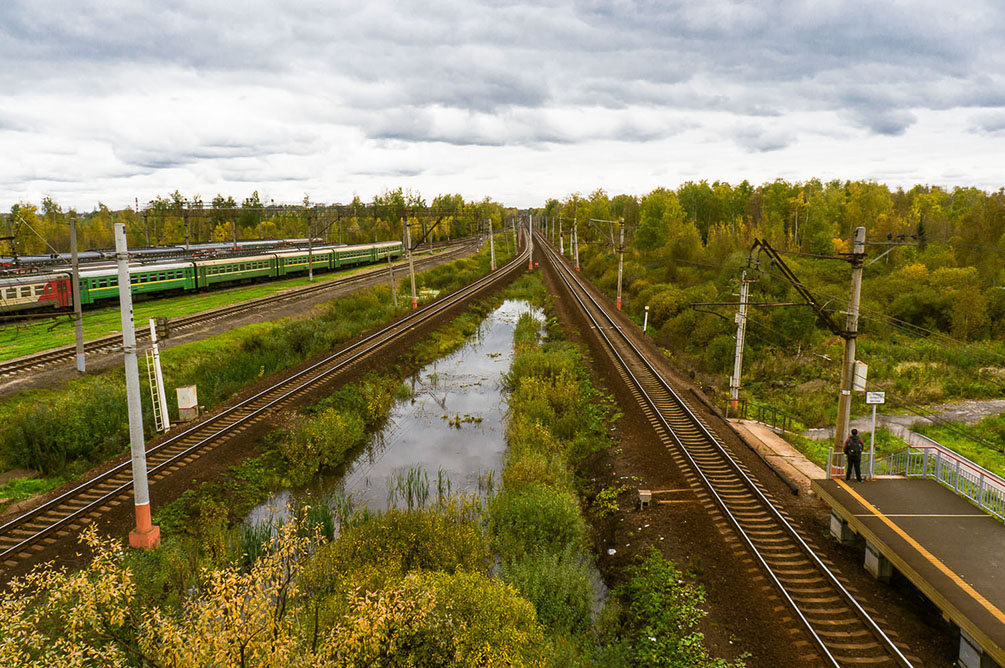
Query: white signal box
point(861, 373)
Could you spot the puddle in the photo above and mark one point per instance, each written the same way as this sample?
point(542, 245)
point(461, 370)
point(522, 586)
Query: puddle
point(452, 429)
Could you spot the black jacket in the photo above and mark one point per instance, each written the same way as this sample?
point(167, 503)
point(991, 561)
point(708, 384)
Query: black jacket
point(853, 446)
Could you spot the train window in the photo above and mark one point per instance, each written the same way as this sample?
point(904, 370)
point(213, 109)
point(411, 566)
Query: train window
point(161, 276)
point(133, 280)
point(11, 293)
point(39, 290)
point(25, 292)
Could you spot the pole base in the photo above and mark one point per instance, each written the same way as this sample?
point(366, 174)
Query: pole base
point(619, 303)
point(415, 303)
point(145, 540)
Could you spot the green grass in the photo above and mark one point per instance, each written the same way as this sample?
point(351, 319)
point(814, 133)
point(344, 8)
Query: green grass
point(26, 339)
point(25, 488)
point(990, 429)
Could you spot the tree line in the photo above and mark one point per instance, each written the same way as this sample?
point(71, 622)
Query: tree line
point(944, 270)
point(177, 219)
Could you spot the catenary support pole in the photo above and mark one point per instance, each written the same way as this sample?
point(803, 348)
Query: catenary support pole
point(310, 247)
point(159, 377)
point(575, 240)
point(530, 241)
point(621, 257)
point(394, 289)
point(741, 330)
point(645, 321)
point(492, 246)
point(561, 238)
point(145, 536)
point(78, 315)
point(851, 332)
point(411, 265)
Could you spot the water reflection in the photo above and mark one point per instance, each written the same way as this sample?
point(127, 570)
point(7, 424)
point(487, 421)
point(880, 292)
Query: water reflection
point(449, 435)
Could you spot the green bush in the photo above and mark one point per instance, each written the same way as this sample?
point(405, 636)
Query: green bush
point(535, 517)
point(559, 585)
point(399, 541)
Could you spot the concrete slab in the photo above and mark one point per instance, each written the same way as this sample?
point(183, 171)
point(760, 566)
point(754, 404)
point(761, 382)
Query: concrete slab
point(952, 551)
point(779, 453)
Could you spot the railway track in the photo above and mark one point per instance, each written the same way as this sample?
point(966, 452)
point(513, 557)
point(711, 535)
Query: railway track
point(66, 354)
point(844, 632)
point(32, 532)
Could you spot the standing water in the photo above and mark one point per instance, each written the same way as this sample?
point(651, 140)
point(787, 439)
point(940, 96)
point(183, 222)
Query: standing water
point(450, 433)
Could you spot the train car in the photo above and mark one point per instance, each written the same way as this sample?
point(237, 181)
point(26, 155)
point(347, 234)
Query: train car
point(294, 261)
point(223, 270)
point(98, 284)
point(24, 292)
point(35, 291)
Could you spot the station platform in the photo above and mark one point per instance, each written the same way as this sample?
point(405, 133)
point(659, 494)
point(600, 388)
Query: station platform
point(950, 550)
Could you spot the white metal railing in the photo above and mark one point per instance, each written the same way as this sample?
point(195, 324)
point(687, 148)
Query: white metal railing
point(932, 460)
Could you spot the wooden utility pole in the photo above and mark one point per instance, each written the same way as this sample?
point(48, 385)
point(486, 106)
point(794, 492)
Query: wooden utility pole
point(851, 332)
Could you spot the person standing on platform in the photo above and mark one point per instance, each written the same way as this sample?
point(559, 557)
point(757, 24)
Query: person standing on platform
point(853, 450)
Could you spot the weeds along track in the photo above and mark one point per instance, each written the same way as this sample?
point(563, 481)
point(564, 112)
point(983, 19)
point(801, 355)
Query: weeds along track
point(66, 354)
point(35, 530)
point(844, 632)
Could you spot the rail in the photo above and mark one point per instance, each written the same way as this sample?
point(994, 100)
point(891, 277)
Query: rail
point(821, 625)
point(21, 533)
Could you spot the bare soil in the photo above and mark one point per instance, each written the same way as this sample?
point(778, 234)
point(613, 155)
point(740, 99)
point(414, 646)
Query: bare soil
point(746, 616)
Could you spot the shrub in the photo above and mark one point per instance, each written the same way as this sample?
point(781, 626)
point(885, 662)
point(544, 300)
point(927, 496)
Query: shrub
point(398, 541)
point(436, 619)
point(535, 517)
point(559, 585)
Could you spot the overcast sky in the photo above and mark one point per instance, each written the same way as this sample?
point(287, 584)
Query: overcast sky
point(111, 100)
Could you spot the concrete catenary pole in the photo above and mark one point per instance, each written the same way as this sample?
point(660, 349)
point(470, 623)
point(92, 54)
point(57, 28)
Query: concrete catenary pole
point(741, 330)
point(492, 245)
point(530, 235)
point(851, 332)
point(310, 247)
point(621, 257)
point(145, 535)
point(575, 240)
point(394, 289)
point(411, 266)
point(78, 316)
point(561, 238)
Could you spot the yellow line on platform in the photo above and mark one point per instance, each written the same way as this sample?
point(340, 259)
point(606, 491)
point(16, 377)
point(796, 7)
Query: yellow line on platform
point(922, 515)
point(932, 559)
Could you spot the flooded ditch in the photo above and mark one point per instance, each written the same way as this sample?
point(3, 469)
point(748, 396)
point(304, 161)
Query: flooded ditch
point(449, 436)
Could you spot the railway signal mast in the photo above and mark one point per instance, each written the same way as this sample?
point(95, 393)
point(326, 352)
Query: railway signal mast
point(146, 535)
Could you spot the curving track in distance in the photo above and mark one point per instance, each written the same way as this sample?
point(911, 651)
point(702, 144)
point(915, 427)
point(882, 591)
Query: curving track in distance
point(24, 536)
point(66, 354)
point(843, 631)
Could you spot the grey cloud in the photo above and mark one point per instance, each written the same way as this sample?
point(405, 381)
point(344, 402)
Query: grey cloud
point(989, 123)
point(759, 139)
point(883, 121)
